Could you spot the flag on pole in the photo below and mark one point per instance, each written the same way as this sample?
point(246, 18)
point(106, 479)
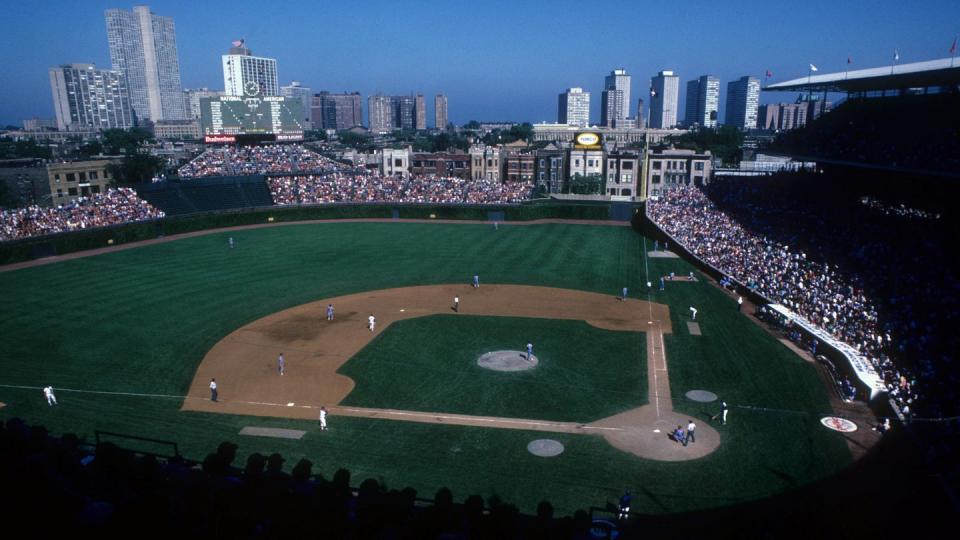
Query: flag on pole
point(896, 55)
point(953, 48)
point(769, 74)
point(813, 67)
point(849, 60)
point(237, 43)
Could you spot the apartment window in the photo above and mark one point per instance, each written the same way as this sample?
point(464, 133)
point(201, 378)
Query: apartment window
point(698, 166)
point(611, 177)
point(627, 165)
point(71, 177)
point(576, 163)
point(95, 188)
point(59, 192)
point(72, 191)
point(398, 163)
point(543, 163)
point(627, 178)
point(93, 175)
point(417, 163)
point(625, 192)
point(610, 164)
point(657, 165)
point(656, 179)
point(56, 178)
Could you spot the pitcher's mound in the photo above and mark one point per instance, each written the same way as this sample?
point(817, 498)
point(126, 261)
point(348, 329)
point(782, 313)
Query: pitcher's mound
point(507, 361)
point(545, 447)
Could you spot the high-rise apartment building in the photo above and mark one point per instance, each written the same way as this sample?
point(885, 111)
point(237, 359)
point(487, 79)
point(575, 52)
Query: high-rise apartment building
point(192, 99)
point(703, 102)
point(664, 93)
point(85, 98)
point(380, 115)
point(336, 111)
point(242, 71)
point(440, 113)
point(143, 47)
point(615, 100)
point(743, 99)
point(421, 111)
point(640, 119)
point(405, 112)
point(573, 107)
point(302, 93)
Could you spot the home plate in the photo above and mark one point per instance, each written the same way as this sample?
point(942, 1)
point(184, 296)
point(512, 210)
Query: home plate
point(291, 404)
point(656, 430)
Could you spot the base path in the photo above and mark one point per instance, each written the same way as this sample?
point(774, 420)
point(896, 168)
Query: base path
point(245, 361)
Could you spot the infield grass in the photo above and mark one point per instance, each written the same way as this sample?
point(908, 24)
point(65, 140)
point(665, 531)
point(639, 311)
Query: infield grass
point(140, 321)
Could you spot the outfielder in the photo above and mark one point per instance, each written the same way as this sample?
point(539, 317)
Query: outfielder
point(48, 393)
point(371, 322)
point(329, 312)
point(529, 351)
point(323, 418)
point(281, 364)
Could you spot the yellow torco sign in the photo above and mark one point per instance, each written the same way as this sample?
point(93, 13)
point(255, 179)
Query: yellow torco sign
point(587, 140)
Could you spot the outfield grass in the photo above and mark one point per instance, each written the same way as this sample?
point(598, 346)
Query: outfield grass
point(140, 321)
point(430, 364)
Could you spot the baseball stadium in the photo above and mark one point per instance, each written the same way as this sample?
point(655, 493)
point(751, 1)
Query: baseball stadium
point(498, 356)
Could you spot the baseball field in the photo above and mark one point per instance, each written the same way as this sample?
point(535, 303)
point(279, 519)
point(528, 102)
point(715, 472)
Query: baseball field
point(130, 340)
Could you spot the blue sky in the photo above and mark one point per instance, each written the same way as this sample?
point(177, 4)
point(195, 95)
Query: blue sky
point(495, 60)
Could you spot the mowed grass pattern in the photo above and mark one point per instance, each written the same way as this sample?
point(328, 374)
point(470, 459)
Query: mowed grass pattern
point(430, 364)
point(140, 321)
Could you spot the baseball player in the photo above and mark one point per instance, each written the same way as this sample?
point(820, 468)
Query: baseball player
point(48, 393)
point(722, 414)
point(623, 295)
point(213, 389)
point(739, 303)
point(323, 418)
point(529, 351)
point(230, 241)
point(329, 312)
point(662, 285)
point(456, 304)
point(371, 322)
point(693, 312)
point(691, 427)
point(476, 281)
point(281, 364)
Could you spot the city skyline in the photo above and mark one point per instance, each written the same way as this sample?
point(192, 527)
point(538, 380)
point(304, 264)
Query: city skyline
point(372, 56)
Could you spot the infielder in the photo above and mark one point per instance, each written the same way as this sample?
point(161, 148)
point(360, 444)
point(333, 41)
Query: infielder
point(456, 304)
point(48, 393)
point(529, 352)
point(371, 322)
point(623, 295)
point(693, 312)
point(281, 364)
point(476, 281)
point(329, 312)
point(323, 418)
point(213, 389)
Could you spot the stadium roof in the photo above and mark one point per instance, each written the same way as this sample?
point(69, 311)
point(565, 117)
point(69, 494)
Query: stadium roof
point(941, 72)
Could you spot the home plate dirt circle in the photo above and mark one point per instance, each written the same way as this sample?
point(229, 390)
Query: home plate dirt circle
point(545, 448)
point(507, 361)
point(703, 396)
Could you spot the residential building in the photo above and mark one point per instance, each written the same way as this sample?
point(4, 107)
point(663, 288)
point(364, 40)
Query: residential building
point(664, 94)
point(584, 162)
point(574, 107)
point(484, 162)
point(621, 173)
point(69, 181)
point(296, 91)
point(39, 124)
point(336, 111)
point(380, 115)
point(243, 72)
point(668, 168)
point(615, 100)
point(564, 134)
point(456, 164)
point(405, 112)
point(703, 102)
point(393, 162)
point(86, 98)
point(421, 112)
point(743, 100)
point(517, 162)
point(143, 48)
point(550, 168)
point(440, 113)
point(176, 129)
point(193, 97)
point(768, 116)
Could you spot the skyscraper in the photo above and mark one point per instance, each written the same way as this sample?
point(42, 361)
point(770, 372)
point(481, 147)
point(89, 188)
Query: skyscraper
point(336, 111)
point(664, 91)
point(296, 91)
point(640, 120)
point(85, 97)
point(573, 107)
point(743, 99)
point(143, 48)
point(440, 118)
point(703, 102)
point(615, 100)
point(421, 111)
point(380, 113)
point(405, 112)
point(192, 100)
point(242, 70)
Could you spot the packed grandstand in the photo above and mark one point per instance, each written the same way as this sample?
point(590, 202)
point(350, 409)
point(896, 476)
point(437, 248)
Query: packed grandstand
point(844, 265)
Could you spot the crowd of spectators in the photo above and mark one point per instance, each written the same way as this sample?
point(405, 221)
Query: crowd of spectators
point(106, 491)
point(358, 186)
point(250, 160)
point(112, 207)
point(877, 281)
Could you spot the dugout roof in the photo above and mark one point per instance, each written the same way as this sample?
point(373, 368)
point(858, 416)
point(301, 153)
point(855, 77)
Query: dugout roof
point(930, 73)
